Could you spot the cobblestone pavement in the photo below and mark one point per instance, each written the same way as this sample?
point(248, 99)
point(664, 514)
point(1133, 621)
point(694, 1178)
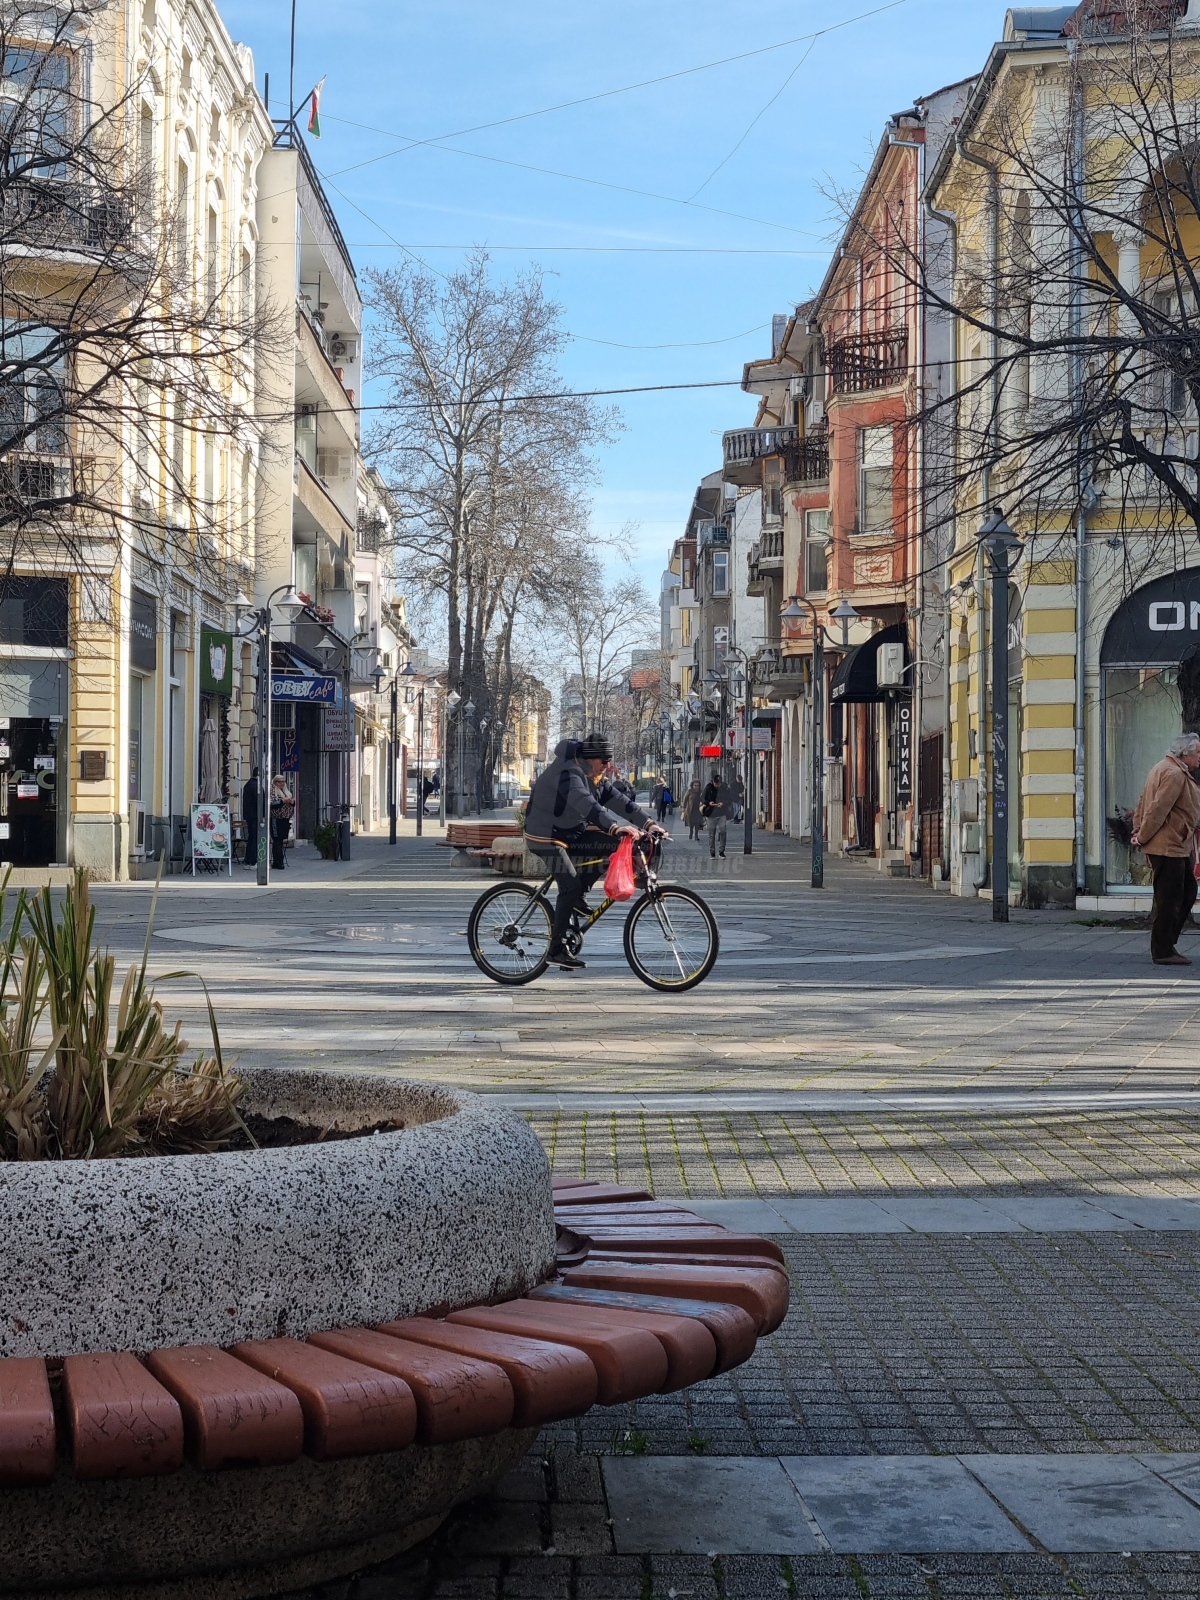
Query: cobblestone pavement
point(899, 1344)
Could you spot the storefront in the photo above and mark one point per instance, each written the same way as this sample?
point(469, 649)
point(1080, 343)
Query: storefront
point(34, 696)
point(871, 708)
point(1150, 652)
point(216, 694)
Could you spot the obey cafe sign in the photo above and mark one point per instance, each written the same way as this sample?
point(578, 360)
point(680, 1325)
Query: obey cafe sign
point(1157, 625)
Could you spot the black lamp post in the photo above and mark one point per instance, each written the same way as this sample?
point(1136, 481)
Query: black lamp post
point(797, 610)
point(1003, 552)
point(409, 672)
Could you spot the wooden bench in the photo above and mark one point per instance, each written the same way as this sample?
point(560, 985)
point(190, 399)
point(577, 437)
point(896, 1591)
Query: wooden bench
point(649, 1298)
point(478, 835)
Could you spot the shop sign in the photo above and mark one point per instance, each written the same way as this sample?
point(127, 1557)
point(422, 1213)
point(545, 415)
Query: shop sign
point(1157, 625)
point(211, 833)
point(318, 690)
point(143, 631)
point(216, 662)
point(27, 791)
point(708, 750)
point(289, 750)
point(339, 729)
point(904, 773)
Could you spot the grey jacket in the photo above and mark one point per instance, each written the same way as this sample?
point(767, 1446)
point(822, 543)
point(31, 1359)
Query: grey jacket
point(564, 801)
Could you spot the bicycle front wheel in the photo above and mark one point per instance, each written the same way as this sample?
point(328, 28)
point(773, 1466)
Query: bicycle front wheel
point(508, 933)
point(671, 939)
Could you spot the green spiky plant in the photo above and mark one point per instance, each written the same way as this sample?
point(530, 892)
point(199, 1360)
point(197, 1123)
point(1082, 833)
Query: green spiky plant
point(113, 1080)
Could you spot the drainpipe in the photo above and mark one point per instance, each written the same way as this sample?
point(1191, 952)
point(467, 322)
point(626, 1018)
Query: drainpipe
point(1086, 495)
point(950, 222)
point(981, 882)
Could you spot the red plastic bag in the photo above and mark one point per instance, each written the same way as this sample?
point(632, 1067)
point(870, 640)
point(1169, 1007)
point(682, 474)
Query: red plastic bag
point(618, 880)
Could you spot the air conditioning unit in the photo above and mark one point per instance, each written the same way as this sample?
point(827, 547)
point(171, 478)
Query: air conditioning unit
point(137, 831)
point(889, 666)
point(345, 349)
point(798, 388)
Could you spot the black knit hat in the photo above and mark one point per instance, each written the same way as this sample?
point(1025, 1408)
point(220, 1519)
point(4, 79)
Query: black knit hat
point(595, 747)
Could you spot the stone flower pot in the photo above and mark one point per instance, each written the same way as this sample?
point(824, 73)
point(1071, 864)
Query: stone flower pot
point(452, 1209)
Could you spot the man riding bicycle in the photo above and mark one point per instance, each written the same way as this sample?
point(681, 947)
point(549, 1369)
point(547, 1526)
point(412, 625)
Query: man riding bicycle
point(575, 820)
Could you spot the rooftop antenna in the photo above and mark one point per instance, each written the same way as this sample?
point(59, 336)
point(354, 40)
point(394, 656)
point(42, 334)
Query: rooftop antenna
point(292, 76)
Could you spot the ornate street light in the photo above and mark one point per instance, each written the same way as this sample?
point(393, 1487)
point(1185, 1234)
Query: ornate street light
point(1003, 552)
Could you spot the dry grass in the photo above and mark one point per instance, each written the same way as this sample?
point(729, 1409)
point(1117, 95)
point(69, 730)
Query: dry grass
point(113, 1080)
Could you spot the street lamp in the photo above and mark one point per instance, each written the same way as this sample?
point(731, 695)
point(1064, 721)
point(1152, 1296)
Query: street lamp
point(449, 709)
point(798, 610)
point(844, 613)
point(467, 713)
point(259, 620)
point(410, 672)
point(1003, 552)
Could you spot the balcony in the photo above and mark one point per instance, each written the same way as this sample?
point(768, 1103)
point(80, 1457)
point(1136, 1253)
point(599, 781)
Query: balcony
point(856, 366)
point(38, 486)
point(781, 677)
point(50, 215)
point(745, 447)
point(807, 460)
point(369, 535)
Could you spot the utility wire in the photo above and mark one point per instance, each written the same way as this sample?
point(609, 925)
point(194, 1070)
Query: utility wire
point(725, 160)
point(605, 94)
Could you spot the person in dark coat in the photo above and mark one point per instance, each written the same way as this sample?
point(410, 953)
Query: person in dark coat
point(250, 818)
point(576, 817)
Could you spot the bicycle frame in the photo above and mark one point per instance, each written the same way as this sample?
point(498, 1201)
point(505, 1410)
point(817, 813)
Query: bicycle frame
point(648, 861)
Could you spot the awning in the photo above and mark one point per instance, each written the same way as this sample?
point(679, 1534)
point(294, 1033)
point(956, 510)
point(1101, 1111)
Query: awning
point(856, 681)
point(289, 657)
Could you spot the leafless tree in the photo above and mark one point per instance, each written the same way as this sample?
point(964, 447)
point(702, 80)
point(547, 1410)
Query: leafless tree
point(487, 457)
point(126, 363)
point(600, 621)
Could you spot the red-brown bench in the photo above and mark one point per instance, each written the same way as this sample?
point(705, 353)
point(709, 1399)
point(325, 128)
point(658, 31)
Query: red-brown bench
point(649, 1298)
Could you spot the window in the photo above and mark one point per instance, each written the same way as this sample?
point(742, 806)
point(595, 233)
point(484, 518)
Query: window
point(720, 572)
point(31, 390)
point(875, 480)
point(772, 487)
point(183, 200)
point(212, 248)
point(146, 161)
point(816, 552)
point(36, 114)
point(306, 436)
point(246, 288)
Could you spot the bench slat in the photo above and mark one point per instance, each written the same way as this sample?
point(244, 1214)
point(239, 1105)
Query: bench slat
point(761, 1291)
point(349, 1409)
point(549, 1381)
point(27, 1437)
point(732, 1328)
point(458, 1397)
point(231, 1413)
point(123, 1423)
point(630, 1363)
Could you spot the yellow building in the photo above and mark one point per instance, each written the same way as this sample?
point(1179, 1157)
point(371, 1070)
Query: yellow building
point(120, 692)
point(1104, 601)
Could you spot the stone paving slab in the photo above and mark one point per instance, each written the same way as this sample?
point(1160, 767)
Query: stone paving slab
point(881, 1505)
point(738, 1506)
point(1020, 1214)
point(1090, 1503)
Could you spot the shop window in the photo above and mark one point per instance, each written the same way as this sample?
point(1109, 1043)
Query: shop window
point(875, 480)
point(1141, 717)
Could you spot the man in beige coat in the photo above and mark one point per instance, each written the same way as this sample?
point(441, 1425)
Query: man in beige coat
point(1164, 829)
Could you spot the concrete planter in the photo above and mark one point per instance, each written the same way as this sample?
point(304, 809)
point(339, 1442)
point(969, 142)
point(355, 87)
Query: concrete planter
point(453, 1209)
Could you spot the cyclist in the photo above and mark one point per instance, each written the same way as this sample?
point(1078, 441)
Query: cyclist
point(575, 819)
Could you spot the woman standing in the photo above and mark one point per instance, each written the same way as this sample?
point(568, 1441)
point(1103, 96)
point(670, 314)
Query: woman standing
point(282, 807)
point(690, 811)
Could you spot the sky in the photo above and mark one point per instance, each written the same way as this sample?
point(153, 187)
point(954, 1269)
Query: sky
point(736, 165)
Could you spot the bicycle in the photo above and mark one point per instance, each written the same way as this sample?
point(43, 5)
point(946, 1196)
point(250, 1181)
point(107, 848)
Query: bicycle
point(671, 937)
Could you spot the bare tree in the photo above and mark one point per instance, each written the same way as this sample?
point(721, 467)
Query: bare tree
point(487, 457)
point(126, 364)
point(600, 621)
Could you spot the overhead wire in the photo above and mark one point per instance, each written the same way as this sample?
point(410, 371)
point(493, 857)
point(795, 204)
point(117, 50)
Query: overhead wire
point(754, 121)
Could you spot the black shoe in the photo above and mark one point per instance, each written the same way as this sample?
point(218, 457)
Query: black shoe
point(713, 853)
point(564, 959)
point(722, 855)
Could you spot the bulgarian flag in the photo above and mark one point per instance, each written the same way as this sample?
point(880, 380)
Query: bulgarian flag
point(314, 111)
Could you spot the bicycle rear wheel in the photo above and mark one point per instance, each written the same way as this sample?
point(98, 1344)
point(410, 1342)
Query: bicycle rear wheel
point(508, 937)
point(671, 939)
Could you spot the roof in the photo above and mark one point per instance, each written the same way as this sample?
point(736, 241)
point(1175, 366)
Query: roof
point(1046, 22)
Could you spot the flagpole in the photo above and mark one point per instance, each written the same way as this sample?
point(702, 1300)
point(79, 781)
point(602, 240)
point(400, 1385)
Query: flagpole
point(292, 78)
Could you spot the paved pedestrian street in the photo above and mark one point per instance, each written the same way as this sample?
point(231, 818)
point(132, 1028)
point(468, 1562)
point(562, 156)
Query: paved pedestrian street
point(976, 1144)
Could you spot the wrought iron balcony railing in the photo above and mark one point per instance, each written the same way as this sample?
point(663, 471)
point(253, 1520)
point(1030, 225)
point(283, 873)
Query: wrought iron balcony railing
point(875, 361)
point(807, 460)
point(744, 445)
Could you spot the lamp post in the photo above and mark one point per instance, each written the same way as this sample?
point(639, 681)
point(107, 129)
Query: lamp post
point(410, 672)
point(466, 714)
point(797, 610)
point(449, 708)
point(1003, 552)
point(260, 623)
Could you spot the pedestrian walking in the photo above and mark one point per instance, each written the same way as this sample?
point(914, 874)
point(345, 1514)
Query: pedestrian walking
point(250, 818)
point(1164, 829)
point(690, 810)
point(739, 798)
point(716, 803)
point(282, 807)
point(666, 802)
point(656, 796)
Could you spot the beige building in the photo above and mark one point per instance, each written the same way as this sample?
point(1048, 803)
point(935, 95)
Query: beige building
point(120, 694)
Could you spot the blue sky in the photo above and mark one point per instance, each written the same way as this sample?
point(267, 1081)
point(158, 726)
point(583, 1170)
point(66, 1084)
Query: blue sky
point(665, 300)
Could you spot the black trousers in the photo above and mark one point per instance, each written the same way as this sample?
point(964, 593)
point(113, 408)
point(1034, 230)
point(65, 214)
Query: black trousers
point(1174, 897)
point(589, 856)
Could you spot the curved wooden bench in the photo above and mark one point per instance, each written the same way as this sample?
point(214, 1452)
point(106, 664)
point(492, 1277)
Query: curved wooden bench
point(649, 1298)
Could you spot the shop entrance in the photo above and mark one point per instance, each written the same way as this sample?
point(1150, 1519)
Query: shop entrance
point(29, 774)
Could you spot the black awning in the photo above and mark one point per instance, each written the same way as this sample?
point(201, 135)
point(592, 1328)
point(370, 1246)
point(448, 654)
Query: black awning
point(287, 656)
point(856, 681)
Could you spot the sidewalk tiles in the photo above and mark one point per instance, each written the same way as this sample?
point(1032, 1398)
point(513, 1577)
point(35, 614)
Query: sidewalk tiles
point(903, 1505)
point(922, 1214)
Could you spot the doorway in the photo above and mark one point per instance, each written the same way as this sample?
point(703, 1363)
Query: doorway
point(29, 776)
